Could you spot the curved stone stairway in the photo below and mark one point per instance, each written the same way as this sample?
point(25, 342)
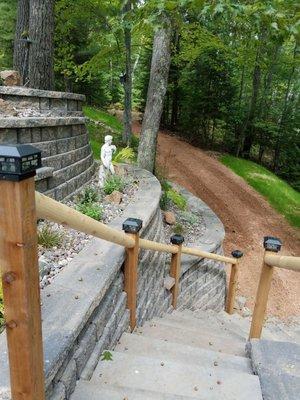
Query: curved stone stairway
point(184, 355)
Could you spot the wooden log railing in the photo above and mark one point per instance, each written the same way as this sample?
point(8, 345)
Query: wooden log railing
point(270, 261)
point(20, 207)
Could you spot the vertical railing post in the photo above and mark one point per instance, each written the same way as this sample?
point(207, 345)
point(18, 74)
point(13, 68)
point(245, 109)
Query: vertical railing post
point(132, 227)
point(233, 282)
point(20, 272)
point(175, 269)
point(270, 244)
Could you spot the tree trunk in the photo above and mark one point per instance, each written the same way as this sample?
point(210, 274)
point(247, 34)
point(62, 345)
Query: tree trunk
point(159, 73)
point(127, 118)
point(175, 100)
point(246, 135)
point(41, 31)
point(276, 159)
point(21, 49)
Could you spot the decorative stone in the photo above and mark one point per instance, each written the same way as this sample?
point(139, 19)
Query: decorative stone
point(107, 151)
point(7, 109)
point(169, 218)
point(10, 78)
point(241, 301)
point(169, 282)
point(114, 197)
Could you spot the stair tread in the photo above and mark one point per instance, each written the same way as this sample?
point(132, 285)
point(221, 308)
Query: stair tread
point(87, 390)
point(176, 378)
point(219, 343)
point(156, 348)
point(206, 325)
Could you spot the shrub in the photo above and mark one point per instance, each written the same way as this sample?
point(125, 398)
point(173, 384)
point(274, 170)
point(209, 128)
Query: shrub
point(89, 195)
point(113, 183)
point(124, 155)
point(178, 229)
point(164, 201)
point(48, 237)
point(92, 210)
point(188, 217)
point(178, 199)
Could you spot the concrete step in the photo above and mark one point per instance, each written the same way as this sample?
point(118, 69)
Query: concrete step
point(89, 391)
point(168, 351)
point(210, 325)
point(164, 330)
point(172, 378)
point(241, 325)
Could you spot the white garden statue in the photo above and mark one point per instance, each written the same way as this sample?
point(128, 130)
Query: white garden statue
point(106, 168)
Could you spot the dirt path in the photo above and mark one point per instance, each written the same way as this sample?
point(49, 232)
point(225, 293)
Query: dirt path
point(246, 215)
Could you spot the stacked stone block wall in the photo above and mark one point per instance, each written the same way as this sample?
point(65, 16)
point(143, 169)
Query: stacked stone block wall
point(58, 130)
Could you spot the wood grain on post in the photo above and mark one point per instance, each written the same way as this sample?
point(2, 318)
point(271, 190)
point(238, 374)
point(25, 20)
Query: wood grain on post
point(20, 280)
point(132, 227)
point(175, 268)
point(232, 288)
point(261, 301)
point(130, 277)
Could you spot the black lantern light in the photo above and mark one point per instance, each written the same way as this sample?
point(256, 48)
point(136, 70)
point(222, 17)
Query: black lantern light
point(272, 244)
point(132, 225)
point(18, 162)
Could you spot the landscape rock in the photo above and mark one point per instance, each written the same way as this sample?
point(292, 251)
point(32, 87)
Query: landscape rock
point(7, 109)
point(115, 197)
point(169, 218)
point(11, 78)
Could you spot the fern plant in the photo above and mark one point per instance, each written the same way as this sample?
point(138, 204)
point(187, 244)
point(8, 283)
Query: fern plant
point(92, 210)
point(125, 155)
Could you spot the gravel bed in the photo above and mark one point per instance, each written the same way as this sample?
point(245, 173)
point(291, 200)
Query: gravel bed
point(190, 224)
point(53, 260)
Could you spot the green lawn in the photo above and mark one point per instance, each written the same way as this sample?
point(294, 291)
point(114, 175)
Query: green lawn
point(103, 116)
point(97, 133)
point(280, 194)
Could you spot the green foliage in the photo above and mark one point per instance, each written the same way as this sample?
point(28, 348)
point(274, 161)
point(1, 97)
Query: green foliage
point(48, 237)
point(103, 116)
point(7, 26)
point(106, 356)
point(125, 155)
point(92, 210)
point(113, 183)
point(188, 217)
point(178, 229)
point(177, 199)
point(89, 195)
point(280, 195)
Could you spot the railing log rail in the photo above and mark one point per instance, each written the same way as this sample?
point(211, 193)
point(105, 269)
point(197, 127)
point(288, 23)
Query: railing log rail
point(270, 261)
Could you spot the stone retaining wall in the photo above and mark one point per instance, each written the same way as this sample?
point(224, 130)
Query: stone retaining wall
point(57, 129)
point(84, 309)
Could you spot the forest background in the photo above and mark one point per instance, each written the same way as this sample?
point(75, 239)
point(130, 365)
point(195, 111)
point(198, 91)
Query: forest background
point(233, 83)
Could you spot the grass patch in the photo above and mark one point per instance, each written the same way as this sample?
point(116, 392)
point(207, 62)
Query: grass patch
point(279, 194)
point(97, 133)
point(48, 237)
point(103, 116)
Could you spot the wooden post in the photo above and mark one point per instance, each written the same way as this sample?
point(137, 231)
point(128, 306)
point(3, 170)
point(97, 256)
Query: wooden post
point(132, 227)
point(261, 301)
point(175, 268)
point(21, 290)
point(233, 282)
